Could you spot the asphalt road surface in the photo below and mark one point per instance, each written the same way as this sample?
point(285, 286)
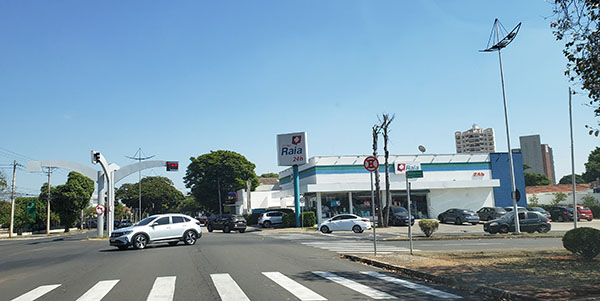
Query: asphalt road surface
point(220, 266)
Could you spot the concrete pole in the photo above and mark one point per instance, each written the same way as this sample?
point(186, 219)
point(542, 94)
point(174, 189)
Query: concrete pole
point(101, 191)
point(12, 201)
point(373, 219)
point(572, 163)
point(409, 214)
point(48, 205)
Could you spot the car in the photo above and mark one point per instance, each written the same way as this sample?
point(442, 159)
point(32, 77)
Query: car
point(459, 216)
point(540, 210)
point(267, 219)
point(345, 222)
point(203, 220)
point(561, 214)
point(227, 223)
point(528, 222)
point(510, 208)
point(584, 212)
point(490, 213)
point(161, 228)
point(123, 224)
point(399, 216)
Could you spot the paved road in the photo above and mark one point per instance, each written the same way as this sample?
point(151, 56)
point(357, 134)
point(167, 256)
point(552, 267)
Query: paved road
point(220, 266)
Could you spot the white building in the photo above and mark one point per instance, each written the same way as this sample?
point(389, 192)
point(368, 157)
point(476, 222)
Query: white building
point(475, 140)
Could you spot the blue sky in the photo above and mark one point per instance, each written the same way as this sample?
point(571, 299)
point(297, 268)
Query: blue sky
point(181, 79)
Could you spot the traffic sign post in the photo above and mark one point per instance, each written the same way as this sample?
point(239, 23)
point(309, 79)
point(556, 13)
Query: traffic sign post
point(100, 209)
point(411, 174)
point(372, 164)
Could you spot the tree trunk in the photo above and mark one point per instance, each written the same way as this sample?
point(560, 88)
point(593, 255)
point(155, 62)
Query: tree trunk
point(388, 195)
point(376, 131)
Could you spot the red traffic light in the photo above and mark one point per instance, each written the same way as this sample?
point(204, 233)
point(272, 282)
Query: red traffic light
point(172, 165)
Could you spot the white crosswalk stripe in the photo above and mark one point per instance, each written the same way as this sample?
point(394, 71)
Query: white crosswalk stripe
point(415, 286)
point(297, 289)
point(163, 289)
point(98, 291)
point(355, 286)
point(36, 293)
point(227, 288)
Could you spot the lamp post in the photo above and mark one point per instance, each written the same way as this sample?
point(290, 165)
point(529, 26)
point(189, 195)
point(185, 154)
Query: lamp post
point(572, 160)
point(497, 45)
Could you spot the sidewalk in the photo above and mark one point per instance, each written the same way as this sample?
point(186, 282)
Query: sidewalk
point(53, 232)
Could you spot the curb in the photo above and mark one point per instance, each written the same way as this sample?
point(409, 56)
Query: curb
point(488, 291)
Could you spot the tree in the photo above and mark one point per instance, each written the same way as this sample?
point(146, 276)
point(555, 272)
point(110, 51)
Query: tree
point(533, 201)
point(568, 179)
point(559, 197)
point(375, 133)
point(215, 174)
point(577, 24)
point(188, 206)
point(23, 217)
point(158, 195)
point(590, 201)
point(533, 179)
point(269, 175)
point(592, 167)
point(3, 185)
point(69, 199)
point(4, 214)
point(385, 124)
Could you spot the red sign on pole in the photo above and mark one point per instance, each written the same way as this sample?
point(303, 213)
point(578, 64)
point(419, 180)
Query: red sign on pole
point(100, 209)
point(371, 163)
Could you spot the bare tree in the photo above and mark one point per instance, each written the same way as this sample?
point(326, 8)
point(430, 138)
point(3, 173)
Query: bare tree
point(385, 123)
point(376, 131)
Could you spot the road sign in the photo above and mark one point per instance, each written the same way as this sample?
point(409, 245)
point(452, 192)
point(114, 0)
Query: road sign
point(402, 167)
point(100, 209)
point(371, 163)
point(411, 174)
point(292, 149)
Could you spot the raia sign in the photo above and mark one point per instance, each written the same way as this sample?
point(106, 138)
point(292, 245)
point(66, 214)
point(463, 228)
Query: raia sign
point(292, 149)
point(403, 167)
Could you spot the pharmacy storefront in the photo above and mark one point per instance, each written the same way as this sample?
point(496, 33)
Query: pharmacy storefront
point(333, 185)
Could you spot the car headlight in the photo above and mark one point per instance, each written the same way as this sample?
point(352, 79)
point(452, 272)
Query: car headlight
point(126, 232)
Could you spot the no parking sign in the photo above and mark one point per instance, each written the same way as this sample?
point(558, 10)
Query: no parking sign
point(100, 209)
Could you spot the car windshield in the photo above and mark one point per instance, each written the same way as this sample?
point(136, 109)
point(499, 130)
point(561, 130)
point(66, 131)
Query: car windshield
point(509, 216)
point(584, 208)
point(399, 210)
point(146, 221)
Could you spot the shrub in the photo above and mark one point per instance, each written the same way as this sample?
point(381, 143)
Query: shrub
point(559, 197)
point(583, 241)
point(428, 226)
point(252, 219)
point(288, 220)
point(308, 219)
point(590, 201)
point(533, 201)
point(595, 211)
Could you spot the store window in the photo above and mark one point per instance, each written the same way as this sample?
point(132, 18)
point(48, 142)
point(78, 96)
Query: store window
point(361, 204)
point(334, 204)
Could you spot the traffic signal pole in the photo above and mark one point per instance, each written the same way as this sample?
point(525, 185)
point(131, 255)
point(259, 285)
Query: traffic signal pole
point(12, 201)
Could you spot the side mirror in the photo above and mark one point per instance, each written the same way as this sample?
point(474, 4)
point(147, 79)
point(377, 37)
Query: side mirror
point(154, 224)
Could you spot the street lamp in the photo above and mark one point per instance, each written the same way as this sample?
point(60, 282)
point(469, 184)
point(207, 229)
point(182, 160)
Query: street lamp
point(496, 45)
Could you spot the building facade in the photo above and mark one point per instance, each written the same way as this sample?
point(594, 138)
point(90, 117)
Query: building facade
point(538, 156)
point(475, 140)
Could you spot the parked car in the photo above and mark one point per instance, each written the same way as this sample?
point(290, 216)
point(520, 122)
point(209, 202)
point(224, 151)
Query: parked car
point(540, 210)
point(510, 208)
point(584, 212)
point(490, 213)
point(399, 216)
point(203, 220)
point(227, 222)
point(267, 219)
point(561, 214)
point(345, 222)
point(528, 222)
point(162, 228)
point(459, 216)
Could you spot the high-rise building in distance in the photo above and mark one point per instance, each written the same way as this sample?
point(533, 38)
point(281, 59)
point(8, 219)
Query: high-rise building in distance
point(538, 156)
point(475, 140)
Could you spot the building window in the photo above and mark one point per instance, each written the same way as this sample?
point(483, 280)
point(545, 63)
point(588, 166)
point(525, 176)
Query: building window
point(334, 204)
point(361, 204)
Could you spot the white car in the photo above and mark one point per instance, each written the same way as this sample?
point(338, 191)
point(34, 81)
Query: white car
point(161, 228)
point(345, 222)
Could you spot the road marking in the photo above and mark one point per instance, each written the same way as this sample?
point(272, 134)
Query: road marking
point(408, 284)
point(228, 288)
point(36, 293)
point(297, 289)
point(163, 289)
point(98, 291)
point(355, 286)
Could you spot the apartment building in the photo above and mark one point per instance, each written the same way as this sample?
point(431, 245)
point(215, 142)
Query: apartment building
point(475, 140)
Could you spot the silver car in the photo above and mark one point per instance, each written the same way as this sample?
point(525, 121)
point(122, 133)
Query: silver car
point(161, 228)
point(267, 219)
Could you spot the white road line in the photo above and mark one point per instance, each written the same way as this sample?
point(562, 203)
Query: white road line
point(408, 284)
point(163, 289)
point(355, 286)
point(228, 288)
point(98, 291)
point(300, 291)
point(36, 293)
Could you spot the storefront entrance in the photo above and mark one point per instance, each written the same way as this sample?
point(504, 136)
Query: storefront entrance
point(418, 200)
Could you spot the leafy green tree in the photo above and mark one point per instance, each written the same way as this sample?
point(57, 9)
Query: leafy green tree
point(533, 201)
point(4, 213)
point(41, 209)
point(3, 185)
point(568, 179)
point(592, 167)
point(577, 24)
point(158, 195)
point(69, 199)
point(269, 175)
point(221, 170)
point(533, 179)
point(590, 201)
point(559, 197)
point(189, 206)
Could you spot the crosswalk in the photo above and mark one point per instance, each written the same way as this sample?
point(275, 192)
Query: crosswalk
point(229, 290)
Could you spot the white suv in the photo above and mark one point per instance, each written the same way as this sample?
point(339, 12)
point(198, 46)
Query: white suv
point(267, 219)
point(168, 228)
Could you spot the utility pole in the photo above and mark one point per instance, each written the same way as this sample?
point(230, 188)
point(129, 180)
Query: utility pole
point(140, 159)
point(248, 203)
point(572, 161)
point(48, 205)
point(12, 201)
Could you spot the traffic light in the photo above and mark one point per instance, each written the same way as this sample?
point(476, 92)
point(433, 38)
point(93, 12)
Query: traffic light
point(95, 157)
point(172, 165)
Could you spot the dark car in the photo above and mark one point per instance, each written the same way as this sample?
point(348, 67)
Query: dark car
point(540, 210)
point(490, 213)
point(561, 214)
point(399, 216)
point(227, 222)
point(528, 222)
point(459, 216)
point(203, 219)
point(510, 208)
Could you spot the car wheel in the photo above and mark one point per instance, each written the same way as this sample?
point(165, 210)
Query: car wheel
point(356, 229)
point(226, 229)
point(474, 224)
point(325, 229)
point(543, 229)
point(441, 219)
point(267, 224)
point(140, 241)
point(122, 247)
point(173, 243)
point(493, 232)
point(209, 228)
point(589, 219)
point(190, 237)
point(503, 229)
point(458, 221)
point(242, 230)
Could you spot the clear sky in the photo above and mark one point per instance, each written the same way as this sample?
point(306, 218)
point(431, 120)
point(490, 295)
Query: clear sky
point(179, 79)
